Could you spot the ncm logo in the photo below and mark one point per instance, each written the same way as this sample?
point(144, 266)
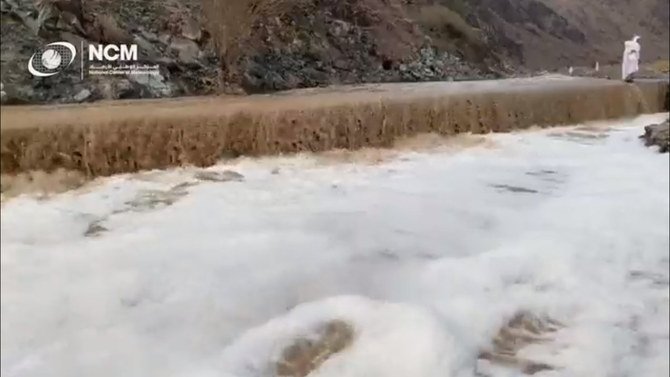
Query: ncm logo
point(52, 59)
point(58, 56)
point(112, 52)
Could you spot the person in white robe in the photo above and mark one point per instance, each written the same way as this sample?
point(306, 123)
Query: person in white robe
point(631, 59)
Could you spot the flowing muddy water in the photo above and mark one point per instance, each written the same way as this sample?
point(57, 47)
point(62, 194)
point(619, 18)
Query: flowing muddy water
point(542, 253)
point(104, 139)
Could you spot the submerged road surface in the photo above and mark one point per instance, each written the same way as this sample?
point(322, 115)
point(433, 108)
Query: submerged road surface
point(425, 252)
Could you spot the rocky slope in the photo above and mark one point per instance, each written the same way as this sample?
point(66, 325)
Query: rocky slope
point(251, 46)
point(274, 44)
point(551, 34)
point(168, 33)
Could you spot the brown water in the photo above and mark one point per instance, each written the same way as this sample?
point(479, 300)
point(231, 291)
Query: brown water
point(127, 136)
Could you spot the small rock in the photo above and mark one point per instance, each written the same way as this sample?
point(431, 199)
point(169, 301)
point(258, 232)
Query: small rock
point(95, 229)
point(155, 84)
point(165, 39)
point(219, 176)
point(306, 355)
point(191, 30)
point(149, 36)
point(83, 95)
point(147, 47)
point(186, 49)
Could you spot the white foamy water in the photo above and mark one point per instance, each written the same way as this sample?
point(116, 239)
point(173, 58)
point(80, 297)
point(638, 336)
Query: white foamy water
point(427, 255)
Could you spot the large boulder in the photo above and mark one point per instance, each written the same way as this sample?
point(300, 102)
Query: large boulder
point(659, 135)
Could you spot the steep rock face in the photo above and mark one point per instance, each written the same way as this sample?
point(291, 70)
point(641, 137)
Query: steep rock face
point(551, 34)
point(608, 23)
point(522, 22)
point(273, 45)
point(303, 43)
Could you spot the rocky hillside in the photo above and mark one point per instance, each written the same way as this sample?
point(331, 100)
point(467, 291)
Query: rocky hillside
point(168, 33)
point(249, 46)
point(558, 33)
point(280, 44)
